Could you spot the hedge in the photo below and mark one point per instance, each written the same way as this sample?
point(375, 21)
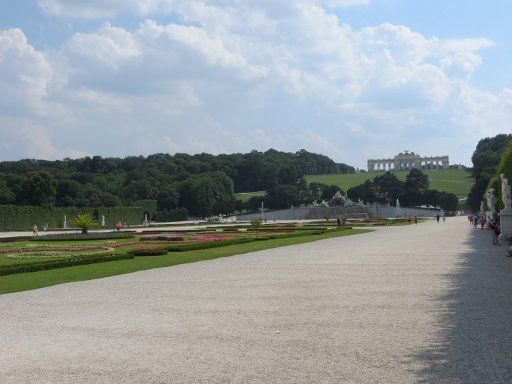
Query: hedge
point(60, 263)
point(211, 244)
point(14, 217)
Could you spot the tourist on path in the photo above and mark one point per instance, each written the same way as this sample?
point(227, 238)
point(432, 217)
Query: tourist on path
point(482, 222)
point(437, 217)
point(496, 230)
point(475, 220)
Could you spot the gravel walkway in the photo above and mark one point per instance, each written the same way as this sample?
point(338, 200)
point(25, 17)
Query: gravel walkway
point(422, 303)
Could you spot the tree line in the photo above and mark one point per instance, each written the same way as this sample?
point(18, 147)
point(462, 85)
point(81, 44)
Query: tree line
point(385, 188)
point(204, 184)
point(413, 192)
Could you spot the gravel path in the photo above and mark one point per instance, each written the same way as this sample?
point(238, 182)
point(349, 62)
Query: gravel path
point(423, 303)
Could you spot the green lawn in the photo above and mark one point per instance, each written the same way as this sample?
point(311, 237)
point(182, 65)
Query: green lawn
point(245, 196)
point(33, 280)
point(454, 181)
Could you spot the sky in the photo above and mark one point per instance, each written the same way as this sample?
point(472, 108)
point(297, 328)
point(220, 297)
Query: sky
point(350, 79)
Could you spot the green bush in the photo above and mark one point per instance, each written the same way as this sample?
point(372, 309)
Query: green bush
point(211, 244)
point(60, 263)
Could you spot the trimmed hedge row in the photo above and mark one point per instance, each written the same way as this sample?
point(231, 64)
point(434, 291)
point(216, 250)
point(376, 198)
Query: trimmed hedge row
point(13, 217)
point(211, 244)
point(60, 263)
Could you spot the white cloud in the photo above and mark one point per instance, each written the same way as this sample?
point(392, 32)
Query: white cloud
point(94, 9)
point(24, 74)
point(230, 76)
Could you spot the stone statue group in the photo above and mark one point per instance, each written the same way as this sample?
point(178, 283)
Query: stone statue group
point(505, 196)
point(504, 219)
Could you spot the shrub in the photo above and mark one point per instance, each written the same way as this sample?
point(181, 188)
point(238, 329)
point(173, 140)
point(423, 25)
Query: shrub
point(153, 251)
point(256, 223)
point(61, 263)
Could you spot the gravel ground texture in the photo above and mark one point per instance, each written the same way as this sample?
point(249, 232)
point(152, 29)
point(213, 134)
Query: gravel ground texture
point(427, 303)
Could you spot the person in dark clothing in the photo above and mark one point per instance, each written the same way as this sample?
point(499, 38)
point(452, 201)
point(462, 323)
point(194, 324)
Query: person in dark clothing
point(496, 229)
point(437, 217)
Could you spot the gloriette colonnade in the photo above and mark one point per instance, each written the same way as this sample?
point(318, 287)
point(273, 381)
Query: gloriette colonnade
point(406, 161)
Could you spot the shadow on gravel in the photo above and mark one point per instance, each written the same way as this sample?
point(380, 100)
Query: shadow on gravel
point(475, 344)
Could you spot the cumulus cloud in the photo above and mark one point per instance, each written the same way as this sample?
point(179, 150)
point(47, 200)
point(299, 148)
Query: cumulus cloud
point(24, 74)
point(230, 76)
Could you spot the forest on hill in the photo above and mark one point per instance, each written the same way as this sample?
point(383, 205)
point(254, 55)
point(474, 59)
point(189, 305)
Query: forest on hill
point(204, 184)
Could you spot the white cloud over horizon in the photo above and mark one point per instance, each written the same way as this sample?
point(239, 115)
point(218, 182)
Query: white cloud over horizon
point(236, 76)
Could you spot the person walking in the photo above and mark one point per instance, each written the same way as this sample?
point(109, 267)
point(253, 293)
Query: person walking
point(496, 230)
point(470, 219)
point(475, 220)
point(437, 217)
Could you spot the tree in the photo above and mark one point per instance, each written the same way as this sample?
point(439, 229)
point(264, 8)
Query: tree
point(167, 197)
point(448, 201)
point(416, 184)
point(367, 192)
point(6, 195)
point(283, 196)
point(40, 189)
point(329, 191)
point(388, 187)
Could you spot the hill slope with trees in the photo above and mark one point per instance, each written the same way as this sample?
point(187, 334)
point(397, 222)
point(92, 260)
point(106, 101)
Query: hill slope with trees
point(204, 184)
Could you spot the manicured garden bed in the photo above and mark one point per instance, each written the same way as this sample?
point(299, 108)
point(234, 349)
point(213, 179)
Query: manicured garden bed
point(31, 264)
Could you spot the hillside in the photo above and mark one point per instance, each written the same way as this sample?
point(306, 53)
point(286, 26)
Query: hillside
point(458, 182)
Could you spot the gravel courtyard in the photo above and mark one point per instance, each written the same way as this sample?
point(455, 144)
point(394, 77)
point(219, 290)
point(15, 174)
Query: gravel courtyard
point(423, 303)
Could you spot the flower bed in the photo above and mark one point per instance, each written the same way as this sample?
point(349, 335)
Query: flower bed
point(88, 236)
point(49, 254)
point(49, 249)
point(162, 238)
point(209, 237)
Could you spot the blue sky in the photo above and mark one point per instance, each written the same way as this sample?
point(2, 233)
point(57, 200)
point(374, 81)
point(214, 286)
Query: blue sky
point(352, 79)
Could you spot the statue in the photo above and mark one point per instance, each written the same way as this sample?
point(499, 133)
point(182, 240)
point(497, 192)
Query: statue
point(491, 201)
point(103, 223)
point(66, 222)
point(505, 193)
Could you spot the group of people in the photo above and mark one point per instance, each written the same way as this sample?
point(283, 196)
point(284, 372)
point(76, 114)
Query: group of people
point(35, 229)
point(476, 220)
